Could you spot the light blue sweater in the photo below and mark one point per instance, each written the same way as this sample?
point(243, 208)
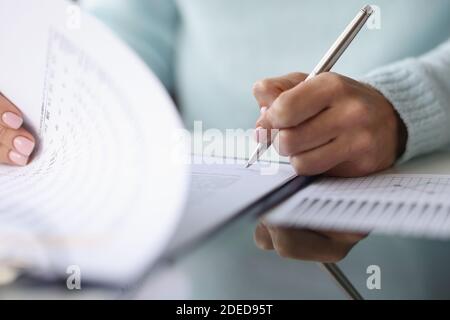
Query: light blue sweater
point(210, 52)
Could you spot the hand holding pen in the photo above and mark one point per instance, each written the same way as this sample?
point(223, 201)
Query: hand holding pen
point(325, 123)
point(328, 123)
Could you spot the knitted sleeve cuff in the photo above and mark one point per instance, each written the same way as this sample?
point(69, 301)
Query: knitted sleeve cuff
point(410, 89)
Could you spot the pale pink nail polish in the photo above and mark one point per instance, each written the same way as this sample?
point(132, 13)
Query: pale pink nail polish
point(23, 145)
point(263, 110)
point(17, 158)
point(12, 120)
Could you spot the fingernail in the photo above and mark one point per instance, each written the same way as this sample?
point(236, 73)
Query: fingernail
point(23, 145)
point(263, 110)
point(17, 158)
point(12, 120)
point(261, 134)
point(256, 134)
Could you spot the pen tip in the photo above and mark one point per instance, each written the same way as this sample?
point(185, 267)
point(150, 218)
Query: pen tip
point(368, 9)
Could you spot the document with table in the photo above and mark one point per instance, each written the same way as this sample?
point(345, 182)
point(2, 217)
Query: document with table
point(104, 193)
point(403, 204)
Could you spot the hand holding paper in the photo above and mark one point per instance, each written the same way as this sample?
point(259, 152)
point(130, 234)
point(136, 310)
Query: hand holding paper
point(16, 143)
point(100, 193)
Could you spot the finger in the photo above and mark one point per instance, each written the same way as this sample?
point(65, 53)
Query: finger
point(266, 136)
point(267, 90)
point(19, 140)
point(343, 237)
point(304, 101)
point(306, 245)
point(322, 159)
point(10, 116)
point(11, 157)
point(262, 237)
point(310, 135)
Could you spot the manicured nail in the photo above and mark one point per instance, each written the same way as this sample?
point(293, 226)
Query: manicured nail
point(263, 110)
point(17, 158)
point(23, 145)
point(12, 120)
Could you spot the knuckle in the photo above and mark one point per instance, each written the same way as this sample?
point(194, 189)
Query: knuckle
point(285, 252)
point(262, 86)
point(365, 142)
point(285, 99)
point(357, 113)
point(367, 165)
point(3, 132)
point(280, 112)
point(336, 82)
point(286, 249)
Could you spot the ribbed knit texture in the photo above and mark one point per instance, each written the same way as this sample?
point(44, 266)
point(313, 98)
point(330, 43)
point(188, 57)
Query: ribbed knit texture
point(419, 89)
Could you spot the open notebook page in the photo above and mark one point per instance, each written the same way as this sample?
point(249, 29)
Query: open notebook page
point(102, 192)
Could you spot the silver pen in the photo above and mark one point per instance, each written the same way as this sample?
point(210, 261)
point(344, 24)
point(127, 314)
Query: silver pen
point(328, 61)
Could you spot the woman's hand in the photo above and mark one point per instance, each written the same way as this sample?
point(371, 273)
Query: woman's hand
point(16, 143)
point(306, 245)
point(330, 124)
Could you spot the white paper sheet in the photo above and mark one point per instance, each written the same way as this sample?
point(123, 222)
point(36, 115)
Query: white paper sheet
point(399, 204)
point(220, 189)
point(102, 192)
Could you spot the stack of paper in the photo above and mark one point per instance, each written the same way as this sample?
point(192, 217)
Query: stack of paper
point(102, 192)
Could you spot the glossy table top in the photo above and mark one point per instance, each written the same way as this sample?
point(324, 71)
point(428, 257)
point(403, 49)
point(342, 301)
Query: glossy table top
point(229, 266)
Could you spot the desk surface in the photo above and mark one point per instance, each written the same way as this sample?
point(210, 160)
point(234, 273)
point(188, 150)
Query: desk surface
point(230, 266)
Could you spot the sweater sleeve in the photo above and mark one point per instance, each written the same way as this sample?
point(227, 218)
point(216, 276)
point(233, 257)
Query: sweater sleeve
point(148, 26)
point(419, 89)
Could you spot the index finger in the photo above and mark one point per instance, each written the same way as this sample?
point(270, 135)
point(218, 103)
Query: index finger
point(302, 102)
point(268, 90)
